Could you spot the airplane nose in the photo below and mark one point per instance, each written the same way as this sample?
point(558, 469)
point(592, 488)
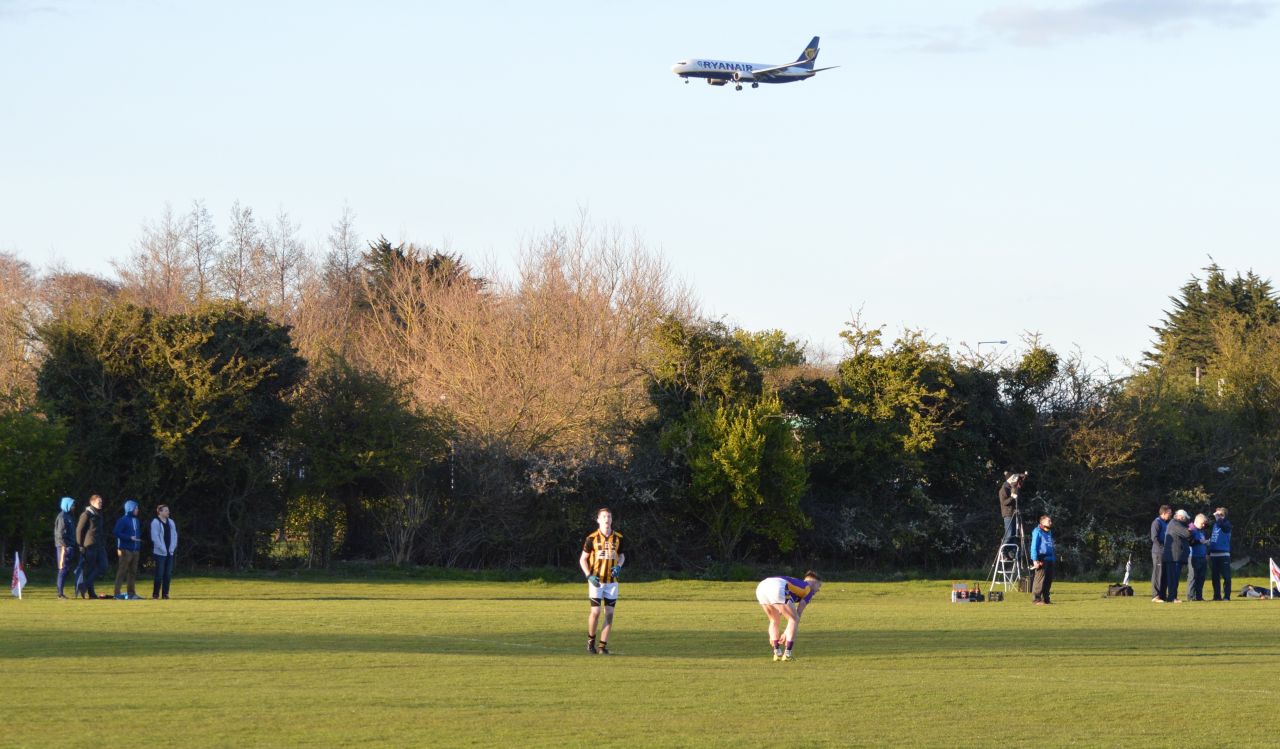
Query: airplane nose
point(675, 68)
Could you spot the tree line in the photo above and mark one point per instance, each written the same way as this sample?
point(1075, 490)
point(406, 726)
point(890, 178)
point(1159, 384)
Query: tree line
point(380, 400)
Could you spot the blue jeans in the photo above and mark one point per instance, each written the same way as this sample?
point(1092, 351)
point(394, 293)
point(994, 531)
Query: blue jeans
point(95, 563)
point(1008, 530)
point(164, 573)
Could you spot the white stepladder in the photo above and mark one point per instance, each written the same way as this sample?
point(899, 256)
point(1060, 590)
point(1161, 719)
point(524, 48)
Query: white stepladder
point(1007, 569)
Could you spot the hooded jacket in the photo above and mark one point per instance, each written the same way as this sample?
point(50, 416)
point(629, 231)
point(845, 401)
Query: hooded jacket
point(128, 530)
point(1220, 539)
point(64, 527)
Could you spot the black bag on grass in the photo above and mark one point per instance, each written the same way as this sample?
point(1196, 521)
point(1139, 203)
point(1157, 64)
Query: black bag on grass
point(1119, 590)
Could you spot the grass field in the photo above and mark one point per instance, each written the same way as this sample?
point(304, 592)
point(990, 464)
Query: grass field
point(302, 663)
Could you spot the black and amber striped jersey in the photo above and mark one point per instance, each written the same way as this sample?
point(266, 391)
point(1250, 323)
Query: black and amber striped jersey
point(603, 552)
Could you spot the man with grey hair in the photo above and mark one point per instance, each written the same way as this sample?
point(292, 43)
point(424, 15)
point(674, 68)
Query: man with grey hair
point(1177, 547)
point(1199, 559)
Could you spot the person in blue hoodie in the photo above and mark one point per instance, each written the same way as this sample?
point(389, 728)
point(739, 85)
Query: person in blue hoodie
point(1220, 554)
point(1043, 560)
point(64, 541)
point(1159, 527)
point(128, 533)
point(1199, 559)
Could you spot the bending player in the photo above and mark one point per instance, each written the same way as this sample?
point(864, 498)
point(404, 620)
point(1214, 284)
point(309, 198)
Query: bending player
point(786, 597)
point(601, 562)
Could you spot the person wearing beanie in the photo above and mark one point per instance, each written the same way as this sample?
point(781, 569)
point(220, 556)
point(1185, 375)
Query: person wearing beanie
point(91, 542)
point(128, 533)
point(64, 541)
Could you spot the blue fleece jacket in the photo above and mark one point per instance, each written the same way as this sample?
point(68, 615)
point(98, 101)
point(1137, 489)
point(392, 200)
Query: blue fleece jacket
point(1042, 546)
point(1220, 539)
point(1198, 549)
point(128, 528)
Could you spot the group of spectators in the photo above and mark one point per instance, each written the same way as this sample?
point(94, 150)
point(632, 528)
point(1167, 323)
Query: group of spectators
point(1177, 541)
point(82, 545)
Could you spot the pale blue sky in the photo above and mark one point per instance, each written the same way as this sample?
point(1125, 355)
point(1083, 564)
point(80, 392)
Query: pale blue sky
point(975, 168)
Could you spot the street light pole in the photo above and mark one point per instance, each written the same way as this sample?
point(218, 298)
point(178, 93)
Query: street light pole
point(977, 349)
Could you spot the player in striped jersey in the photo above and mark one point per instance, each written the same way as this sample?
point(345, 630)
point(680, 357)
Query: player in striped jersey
point(601, 562)
point(786, 597)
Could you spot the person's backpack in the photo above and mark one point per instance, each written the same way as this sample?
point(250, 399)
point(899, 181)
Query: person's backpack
point(1119, 590)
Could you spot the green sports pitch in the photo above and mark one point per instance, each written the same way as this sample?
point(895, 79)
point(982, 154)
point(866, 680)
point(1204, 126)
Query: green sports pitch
point(273, 662)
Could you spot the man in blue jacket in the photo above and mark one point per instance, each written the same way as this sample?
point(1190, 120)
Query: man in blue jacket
point(1199, 559)
point(1043, 560)
point(128, 533)
point(64, 541)
point(1220, 554)
point(1158, 530)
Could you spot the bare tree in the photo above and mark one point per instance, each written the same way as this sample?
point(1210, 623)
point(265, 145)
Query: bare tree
point(284, 264)
point(159, 273)
point(201, 240)
point(237, 266)
point(17, 343)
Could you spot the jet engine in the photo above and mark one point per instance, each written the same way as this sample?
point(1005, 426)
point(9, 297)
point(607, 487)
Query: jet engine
point(716, 81)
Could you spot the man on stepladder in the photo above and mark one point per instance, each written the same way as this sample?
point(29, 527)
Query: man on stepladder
point(601, 562)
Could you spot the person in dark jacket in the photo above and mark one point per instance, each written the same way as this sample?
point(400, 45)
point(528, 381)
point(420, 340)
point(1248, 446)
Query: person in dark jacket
point(1220, 554)
point(1043, 560)
point(64, 541)
point(128, 533)
point(1177, 547)
point(91, 541)
point(1008, 496)
point(1199, 559)
point(1157, 552)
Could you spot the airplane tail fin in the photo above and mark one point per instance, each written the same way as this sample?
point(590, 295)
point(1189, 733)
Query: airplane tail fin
point(808, 56)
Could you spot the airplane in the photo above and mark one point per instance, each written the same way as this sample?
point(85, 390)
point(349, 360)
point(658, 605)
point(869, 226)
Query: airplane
point(720, 72)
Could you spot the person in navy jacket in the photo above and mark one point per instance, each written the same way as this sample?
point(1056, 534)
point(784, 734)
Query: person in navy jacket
point(1159, 527)
point(64, 541)
point(1199, 559)
point(1220, 554)
point(1043, 560)
point(128, 533)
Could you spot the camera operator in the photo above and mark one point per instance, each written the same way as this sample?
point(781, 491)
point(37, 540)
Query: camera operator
point(1220, 554)
point(1008, 496)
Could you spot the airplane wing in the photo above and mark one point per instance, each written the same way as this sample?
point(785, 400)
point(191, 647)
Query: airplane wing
point(766, 73)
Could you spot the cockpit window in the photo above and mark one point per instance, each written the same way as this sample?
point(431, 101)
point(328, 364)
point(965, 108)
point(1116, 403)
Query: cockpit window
point(683, 62)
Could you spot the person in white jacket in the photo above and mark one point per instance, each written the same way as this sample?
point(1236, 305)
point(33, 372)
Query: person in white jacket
point(164, 543)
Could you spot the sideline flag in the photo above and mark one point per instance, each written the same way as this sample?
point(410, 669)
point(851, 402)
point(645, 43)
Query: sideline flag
point(20, 577)
point(1275, 575)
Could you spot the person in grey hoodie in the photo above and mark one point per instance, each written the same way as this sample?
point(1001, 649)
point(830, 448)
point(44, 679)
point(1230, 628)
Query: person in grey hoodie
point(64, 541)
point(1177, 547)
point(164, 544)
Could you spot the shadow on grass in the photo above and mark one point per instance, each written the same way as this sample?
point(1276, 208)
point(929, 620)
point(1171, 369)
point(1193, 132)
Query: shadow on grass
point(670, 643)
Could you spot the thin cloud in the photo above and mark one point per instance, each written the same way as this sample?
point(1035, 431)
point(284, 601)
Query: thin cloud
point(943, 40)
point(1042, 26)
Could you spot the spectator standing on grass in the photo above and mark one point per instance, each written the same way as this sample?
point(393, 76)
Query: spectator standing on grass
point(1159, 528)
point(1043, 560)
point(1177, 545)
point(1220, 554)
point(128, 533)
point(164, 544)
point(64, 541)
point(1199, 559)
point(601, 561)
point(91, 542)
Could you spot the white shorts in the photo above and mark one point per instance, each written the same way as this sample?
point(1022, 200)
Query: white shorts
point(608, 590)
point(771, 590)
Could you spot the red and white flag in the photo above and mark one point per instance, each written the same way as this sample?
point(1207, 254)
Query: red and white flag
point(1275, 575)
point(19, 577)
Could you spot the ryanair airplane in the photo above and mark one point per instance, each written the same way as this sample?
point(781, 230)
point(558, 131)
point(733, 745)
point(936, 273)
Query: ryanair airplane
point(720, 72)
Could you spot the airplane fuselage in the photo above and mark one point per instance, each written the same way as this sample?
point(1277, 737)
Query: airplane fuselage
point(725, 71)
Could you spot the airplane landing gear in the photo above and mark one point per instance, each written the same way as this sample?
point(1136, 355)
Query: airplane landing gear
point(755, 85)
point(738, 87)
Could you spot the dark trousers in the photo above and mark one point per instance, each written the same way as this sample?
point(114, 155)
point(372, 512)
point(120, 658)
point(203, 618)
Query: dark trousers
point(95, 563)
point(1158, 581)
point(164, 573)
point(1042, 582)
point(66, 557)
point(1195, 578)
point(1221, 574)
point(1173, 574)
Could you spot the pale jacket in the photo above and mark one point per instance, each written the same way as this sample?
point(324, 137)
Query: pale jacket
point(157, 538)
